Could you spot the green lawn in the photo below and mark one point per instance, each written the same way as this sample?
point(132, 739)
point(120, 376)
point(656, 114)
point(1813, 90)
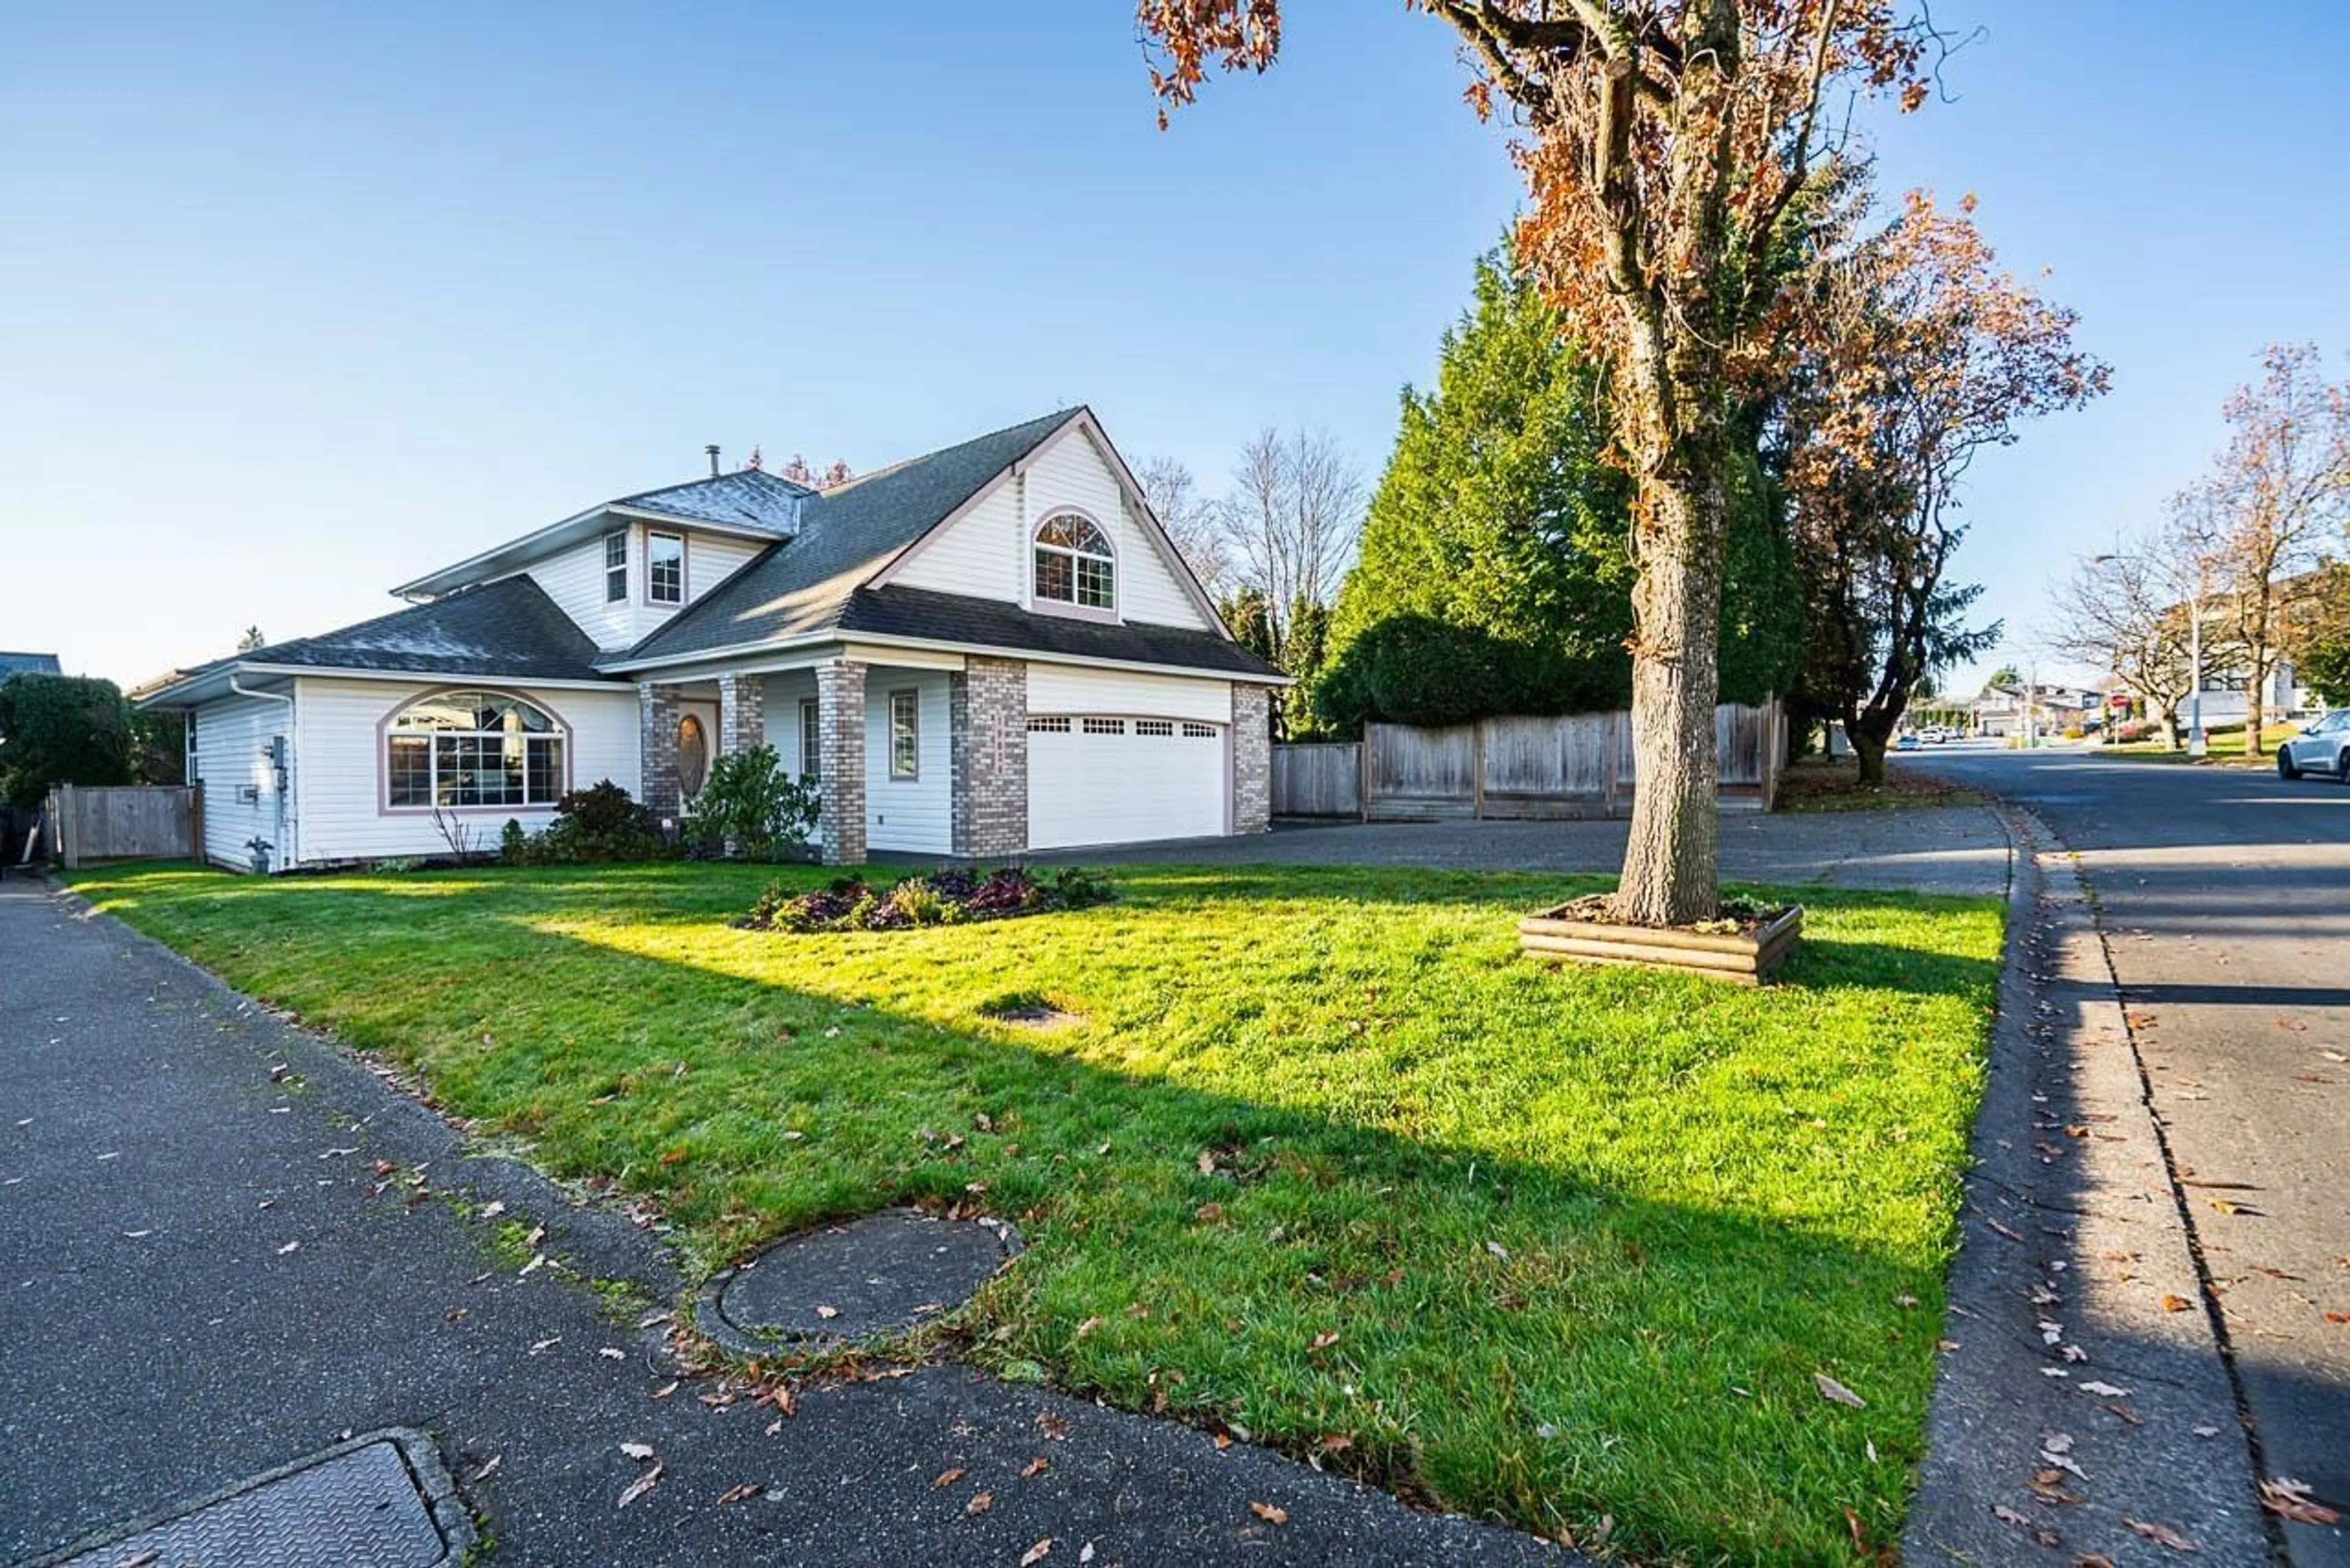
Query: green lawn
point(1324, 1161)
point(2223, 743)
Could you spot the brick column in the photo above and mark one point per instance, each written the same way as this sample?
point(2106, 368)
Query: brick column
point(987, 706)
point(1252, 758)
point(657, 709)
point(742, 714)
point(840, 725)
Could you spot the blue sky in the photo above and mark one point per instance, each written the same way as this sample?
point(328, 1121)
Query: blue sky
point(297, 302)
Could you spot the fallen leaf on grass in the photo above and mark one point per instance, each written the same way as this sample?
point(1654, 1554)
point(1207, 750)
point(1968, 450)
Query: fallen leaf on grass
point(1832, 1390)
point(1208, 1213)
point(743, 1493)
point(1325, 1341)
point(980, 1501)
point(639, 1487)
point(1270, 1513)
point(946, 1478)
point(2289, 1499)
point(1036, 1553)
point(2161, 1534)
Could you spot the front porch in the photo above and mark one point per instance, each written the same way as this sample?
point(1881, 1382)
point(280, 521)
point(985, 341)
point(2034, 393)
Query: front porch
point(921, 755)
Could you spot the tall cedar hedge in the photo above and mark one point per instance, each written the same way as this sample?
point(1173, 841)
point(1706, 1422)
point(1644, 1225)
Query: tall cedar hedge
point(62, 728)
point(1495, 575)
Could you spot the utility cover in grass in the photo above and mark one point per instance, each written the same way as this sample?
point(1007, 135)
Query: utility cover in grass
point(882, 1275)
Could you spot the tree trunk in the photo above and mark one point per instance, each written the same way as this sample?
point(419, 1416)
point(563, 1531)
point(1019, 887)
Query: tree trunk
point(1869, 750)
point(2255, 710)
point(1671, 866)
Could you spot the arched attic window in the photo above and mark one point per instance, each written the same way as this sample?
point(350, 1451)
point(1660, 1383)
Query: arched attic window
point(456, 749)
point(1075, 563)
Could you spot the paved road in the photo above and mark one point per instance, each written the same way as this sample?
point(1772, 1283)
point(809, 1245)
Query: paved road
point(2225, 900)
point(205, 1274)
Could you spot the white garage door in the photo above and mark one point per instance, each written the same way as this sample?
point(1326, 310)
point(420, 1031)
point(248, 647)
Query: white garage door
point(1100, 779)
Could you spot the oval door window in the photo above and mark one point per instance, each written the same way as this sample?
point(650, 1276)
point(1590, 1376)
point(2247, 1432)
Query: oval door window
point(692, 755)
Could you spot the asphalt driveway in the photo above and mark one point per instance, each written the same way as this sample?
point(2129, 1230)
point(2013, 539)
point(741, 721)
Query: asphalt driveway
point(1934, 850)
point(224, 1248)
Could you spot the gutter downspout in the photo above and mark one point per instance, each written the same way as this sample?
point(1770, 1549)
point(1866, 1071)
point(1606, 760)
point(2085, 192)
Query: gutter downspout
point(286, 855)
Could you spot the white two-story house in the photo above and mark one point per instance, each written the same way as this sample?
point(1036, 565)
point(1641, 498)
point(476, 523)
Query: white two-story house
point(991, 649)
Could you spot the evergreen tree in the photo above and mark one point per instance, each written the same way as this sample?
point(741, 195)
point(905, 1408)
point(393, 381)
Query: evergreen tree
point(1495, 575)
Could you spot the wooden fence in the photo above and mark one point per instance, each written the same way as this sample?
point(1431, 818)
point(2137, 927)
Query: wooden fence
point(127, 822)
point(1577, 765)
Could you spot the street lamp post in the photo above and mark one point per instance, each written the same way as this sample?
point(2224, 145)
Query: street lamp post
point(2196, 747)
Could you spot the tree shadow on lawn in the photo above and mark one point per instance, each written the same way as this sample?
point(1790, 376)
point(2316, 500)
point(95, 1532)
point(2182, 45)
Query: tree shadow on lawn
point(1592, 1272)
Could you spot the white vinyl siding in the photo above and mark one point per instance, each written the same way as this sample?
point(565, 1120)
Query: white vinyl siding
point(781, 699)
point(1076, 689)
point(989, 552)
point(916, 814)
point(575, 577)
point(230, 736)
point(339, 779)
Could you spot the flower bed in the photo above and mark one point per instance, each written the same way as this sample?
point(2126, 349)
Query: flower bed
point(1743, 945)
point(952, 896)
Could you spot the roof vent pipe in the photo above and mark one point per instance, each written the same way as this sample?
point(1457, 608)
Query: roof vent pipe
point(712, 449)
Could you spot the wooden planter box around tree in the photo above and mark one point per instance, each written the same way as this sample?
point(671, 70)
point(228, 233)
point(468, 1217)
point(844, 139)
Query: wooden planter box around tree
point(1742, 959)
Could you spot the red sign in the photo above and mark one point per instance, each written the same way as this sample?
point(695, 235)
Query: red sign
point(2118, 700)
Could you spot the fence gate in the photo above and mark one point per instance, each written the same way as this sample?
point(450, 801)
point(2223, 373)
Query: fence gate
point(124, 822)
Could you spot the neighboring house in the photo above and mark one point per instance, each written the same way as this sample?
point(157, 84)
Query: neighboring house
point(29, 664)
point(991, 649)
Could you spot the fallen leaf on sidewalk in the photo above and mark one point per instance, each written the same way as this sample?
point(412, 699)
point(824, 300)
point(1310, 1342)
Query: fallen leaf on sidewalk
point(2039, 1533)
point(2175, 1303)
point(946, 1478)
point(2333, 1316)
point(666, 1389)
point(2011, 1235)
point(289, 1246)
point(489, 1469)
point(743, 1493)
point(980, 1501)
point(2161, 1534)
point(828, 1313)
point(2105, 1391)
point(638, 1451)
point(1036, 1553)
point(639, 1487)
point(1035, 1468)
point(1270, 1513)
point(1832, 1390)
point(2289, 1499)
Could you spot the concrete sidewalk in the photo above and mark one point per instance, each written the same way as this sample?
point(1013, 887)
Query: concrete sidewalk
point(212, 1268)
point(1930, 849)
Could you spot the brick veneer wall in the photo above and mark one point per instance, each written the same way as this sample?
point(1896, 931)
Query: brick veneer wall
point(840, 729)
point(742, 714)
point(657, 712)
point(1251, 759)
point(987, 706)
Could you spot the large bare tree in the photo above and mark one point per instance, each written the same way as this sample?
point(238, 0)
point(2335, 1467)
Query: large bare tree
point(2127, 612)
point(1667, 145)
point(1291, 522)
point(2278, 490)
point(1191, 521)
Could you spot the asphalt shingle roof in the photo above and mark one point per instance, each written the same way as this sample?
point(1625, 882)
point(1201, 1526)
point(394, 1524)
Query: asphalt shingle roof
point(846, 534)
point(896, 611)
point(751, 497)
point(508, 629)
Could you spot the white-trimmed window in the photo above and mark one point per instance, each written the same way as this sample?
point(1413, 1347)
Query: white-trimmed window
point(616, 567)
point(472, 748)
point(905, 734)
point(665, 568)
point(1074, 563)
point(811, 741)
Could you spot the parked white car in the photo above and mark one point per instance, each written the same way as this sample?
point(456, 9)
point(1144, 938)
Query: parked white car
point(2323, 746)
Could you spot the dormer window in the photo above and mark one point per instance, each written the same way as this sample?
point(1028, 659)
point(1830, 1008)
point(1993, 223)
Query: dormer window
point(1074, 563)
point(665, 568)
point(616, 567)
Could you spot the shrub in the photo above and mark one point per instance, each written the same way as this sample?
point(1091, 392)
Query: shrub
point(61, 729)
point(944, 897)
point(599, 824)
point(751, 804)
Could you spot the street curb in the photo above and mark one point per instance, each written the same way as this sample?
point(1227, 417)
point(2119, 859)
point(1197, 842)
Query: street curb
point(2075, 1277)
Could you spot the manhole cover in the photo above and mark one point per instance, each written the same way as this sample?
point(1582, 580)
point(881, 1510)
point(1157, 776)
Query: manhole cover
point(382, 1500)
point(880, 1274)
